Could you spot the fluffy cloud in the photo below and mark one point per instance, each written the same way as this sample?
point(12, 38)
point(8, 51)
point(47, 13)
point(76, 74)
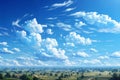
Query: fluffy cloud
point(49, 31)
point(16, 49)
point(6, 50)
point(79, 24)
point(73, 37)
point(116, 54)
point(69, 63)
point(32, 38)
point(3, 43)
point(46, 47)
point(82, 54)
point(30, 61)
point(33, 26)
point(64, 26)
point(51, 46)
point(103, 22)
point(103, 57)
point(22, 33)
point(69, 44)
point(66, 3)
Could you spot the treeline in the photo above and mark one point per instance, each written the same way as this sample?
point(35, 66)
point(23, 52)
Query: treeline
point(56, 75)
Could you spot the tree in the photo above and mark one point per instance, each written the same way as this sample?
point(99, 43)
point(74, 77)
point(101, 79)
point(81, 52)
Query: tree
point(35, 78)
point(1, 76)
point(25, 77)
point(7, 75)
point(82, 75)
point(115, 77)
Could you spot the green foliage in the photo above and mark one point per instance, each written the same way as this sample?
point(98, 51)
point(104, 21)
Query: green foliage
point(1, 76)
point(115, 77)
point(7, 75)
point(35, 78)
point(25, 77)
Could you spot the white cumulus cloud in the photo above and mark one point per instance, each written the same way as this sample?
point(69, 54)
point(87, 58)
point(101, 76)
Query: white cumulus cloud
point(3, 43)
point(33, 26)
point(82, 54)
point(79, 24)
point(116, 54)
point(103, 22)
point(6, 50)
point(16, 49)
point(103, 57)
point(49, 31)
point(78, 39)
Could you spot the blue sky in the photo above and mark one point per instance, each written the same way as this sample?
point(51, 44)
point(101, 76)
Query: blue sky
point(59, 33)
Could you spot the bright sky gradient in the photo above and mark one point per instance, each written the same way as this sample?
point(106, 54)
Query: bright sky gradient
point(59, 33)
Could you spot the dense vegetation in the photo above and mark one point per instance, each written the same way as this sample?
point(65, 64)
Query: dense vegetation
point(53, 74)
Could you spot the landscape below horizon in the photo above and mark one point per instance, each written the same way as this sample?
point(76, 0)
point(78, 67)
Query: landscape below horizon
point(60, 33)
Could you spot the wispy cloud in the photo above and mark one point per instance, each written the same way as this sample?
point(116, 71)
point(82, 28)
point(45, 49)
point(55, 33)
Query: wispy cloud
point(16, 23)
point(64, 26)
point(69, 9)
point(66, 3)
point(92, 62)
point(58, 5)
point(93, 50)
point(82, 54)
point(52, 18)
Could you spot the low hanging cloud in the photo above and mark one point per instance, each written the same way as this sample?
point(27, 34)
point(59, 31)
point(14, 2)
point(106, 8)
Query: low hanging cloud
point(103, 22)
point(92, 62)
